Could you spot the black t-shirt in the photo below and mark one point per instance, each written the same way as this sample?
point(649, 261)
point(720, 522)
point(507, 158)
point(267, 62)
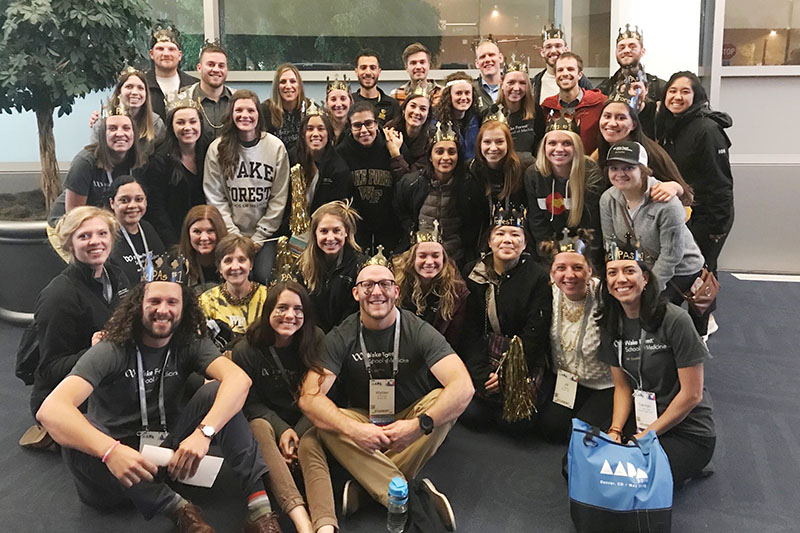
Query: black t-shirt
point(123, 256)
point(421, 347)
point(112, 371)
point(674, 345)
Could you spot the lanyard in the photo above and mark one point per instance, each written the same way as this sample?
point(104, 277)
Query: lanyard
point(395, 353)
point(143, 400)
point(133, 249)
point(110, 177)
point(640, 381)
point(587, 309)
point(280, 367)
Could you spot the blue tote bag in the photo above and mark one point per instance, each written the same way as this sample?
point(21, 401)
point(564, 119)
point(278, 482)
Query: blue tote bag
point(617, 487)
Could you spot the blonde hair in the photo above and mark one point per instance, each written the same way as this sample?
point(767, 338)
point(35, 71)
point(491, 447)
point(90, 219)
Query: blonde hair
point(577, 174)
point(528, 107)
point(70, 223)
point(411, 292)
point(312, 260)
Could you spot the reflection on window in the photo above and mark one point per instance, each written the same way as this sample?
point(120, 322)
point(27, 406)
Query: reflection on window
point(187, 17)
point(764, 34)
point(591, 24)
point(327, 34)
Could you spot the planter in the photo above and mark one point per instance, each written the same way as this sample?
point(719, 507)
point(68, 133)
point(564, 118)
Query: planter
point(27, 264)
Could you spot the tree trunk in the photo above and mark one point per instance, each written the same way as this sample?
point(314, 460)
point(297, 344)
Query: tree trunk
point(51, 178)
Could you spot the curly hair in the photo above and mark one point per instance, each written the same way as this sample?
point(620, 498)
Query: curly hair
point(125, 324)
point(444, 109)
point(445, 285)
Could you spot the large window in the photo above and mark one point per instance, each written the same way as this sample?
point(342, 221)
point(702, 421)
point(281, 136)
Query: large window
point(326, 34)
point(591, 26)
point(187, 16)
point(766, 33)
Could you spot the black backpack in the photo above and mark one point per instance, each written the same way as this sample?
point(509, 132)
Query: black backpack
point(28, 354)
point(422, 514)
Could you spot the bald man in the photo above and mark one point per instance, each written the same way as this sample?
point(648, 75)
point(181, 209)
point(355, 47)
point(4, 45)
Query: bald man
point(397, 419)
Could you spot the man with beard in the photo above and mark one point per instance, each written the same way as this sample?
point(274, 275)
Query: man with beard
point(489, 60)
point(584, 106)
point(134, 380)
point(544, 83)
point(368, 71)
point(631, 77)
point(417, 60)
point(214, 95)
point(165, 77)
point(397, 419)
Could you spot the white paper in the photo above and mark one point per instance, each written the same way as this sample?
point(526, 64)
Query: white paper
point(206, 473)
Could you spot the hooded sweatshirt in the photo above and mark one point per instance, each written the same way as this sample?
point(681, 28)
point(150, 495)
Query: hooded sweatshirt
point(660, 228)
point(252, 201)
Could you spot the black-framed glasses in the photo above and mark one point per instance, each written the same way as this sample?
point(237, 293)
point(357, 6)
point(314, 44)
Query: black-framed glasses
point(367, 285)
point(369, 124)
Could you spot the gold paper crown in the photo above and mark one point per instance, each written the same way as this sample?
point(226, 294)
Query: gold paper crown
point(516, 66)
point(165, 267)
point(419, 90)
point(337, 84)
point(428, 234)
point(114, 107)
point(130, 70)
point(312, 109)
point(445, 133)
point(496, 114)
point(563, 122)
point(480, 40)
point(579, 243)
point(508, 214)
point(629, 250)
point(163, 34)
point(629, 33)
point(181, 100)
point(378, 259)
point(287, 273)
point(620, 95)
point(208, 43)
point(553, 32)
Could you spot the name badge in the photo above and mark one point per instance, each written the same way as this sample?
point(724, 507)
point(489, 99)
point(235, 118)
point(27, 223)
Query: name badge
point(566, 389)
point(645, 405)
point(381, 401)
point(152, 438)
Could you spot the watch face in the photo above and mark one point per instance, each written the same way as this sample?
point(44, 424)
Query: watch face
point(208, 431)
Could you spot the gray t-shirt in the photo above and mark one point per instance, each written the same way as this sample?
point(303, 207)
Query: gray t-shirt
point(674, 345)
point(112, 369)
point(421, 347)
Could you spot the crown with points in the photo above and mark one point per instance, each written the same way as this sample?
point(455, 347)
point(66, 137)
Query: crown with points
point(496, 114)
point(377, 260)
point(165, 267)
point(428, 233)
point(578, 243)
point(553, 32)
point(508, 214)
point(418, 90)
point(516, 66)
point(288, 272)
point(181, 100)
point(444, 133)
point(162, 34)
point(562, 122)
point(630, 250)
point(311, 109)
point(337, 84)
point(629, 33)
point(479, 41)
point(128, 71)
point(210, 43)
point(114, 107)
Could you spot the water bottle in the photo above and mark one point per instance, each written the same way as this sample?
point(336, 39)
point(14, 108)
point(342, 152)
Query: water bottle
point(398, 505)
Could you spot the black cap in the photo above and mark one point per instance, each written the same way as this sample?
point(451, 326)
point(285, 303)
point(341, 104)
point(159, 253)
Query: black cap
point(628, 152)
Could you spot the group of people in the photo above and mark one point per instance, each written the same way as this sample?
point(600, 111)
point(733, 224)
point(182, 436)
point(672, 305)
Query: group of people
point(295, 280)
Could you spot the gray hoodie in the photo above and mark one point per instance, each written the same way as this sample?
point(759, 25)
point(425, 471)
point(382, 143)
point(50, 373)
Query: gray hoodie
point(661, 230)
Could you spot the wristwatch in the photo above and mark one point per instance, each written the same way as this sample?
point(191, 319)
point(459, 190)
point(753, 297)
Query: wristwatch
point(425, 423)
point(208, 431)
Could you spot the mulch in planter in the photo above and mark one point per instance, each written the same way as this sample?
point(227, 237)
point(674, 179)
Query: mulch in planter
point(28, 205)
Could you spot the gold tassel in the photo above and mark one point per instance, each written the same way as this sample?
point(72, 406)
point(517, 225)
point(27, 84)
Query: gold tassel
point(283, 258)
point(299, 222)
point(518, 401)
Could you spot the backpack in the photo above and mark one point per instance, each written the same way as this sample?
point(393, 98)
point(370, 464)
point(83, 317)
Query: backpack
point(28, 354)
point(422, 514)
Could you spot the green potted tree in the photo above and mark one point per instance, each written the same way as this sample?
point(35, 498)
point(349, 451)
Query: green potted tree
point(54, 51)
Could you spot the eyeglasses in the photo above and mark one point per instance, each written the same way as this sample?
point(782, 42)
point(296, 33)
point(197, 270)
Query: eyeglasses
point(384, 284)
point(369, 124)
point(281, 310)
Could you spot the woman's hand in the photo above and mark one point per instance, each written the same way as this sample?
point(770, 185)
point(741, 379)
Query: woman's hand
point(394, 141)
point(615, 434)
point(492, 384)
point(665, 191)
point(288, 445)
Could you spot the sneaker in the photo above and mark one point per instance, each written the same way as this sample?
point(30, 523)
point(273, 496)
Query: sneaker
point(442, 505)
point(352, 497)
point(190, 520)
point(267, 523)
point(713, 327)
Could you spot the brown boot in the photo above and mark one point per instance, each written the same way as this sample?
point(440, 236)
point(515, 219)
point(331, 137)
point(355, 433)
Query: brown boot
point(266, 524)
point(190, 520)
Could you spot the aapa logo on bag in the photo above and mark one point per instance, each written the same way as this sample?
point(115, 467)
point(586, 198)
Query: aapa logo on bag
point(621, 471)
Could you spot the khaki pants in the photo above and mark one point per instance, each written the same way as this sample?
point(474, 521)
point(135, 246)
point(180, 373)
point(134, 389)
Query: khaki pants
point(52, 237)
point(317, 477)
point(280, 478)
point(375, 470)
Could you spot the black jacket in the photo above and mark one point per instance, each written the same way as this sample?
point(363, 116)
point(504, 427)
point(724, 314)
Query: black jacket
point(333, 297)
point(698, 144)
point(414, 188)
point(387, 107)
point(524, 308)
point(157, 95)
point(68, 311)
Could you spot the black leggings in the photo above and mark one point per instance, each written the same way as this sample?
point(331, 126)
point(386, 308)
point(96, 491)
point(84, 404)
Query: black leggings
point(554, 422)
point(688, 454)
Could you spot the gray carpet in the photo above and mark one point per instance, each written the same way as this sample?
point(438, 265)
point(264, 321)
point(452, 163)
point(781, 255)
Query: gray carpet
point(499, 484)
